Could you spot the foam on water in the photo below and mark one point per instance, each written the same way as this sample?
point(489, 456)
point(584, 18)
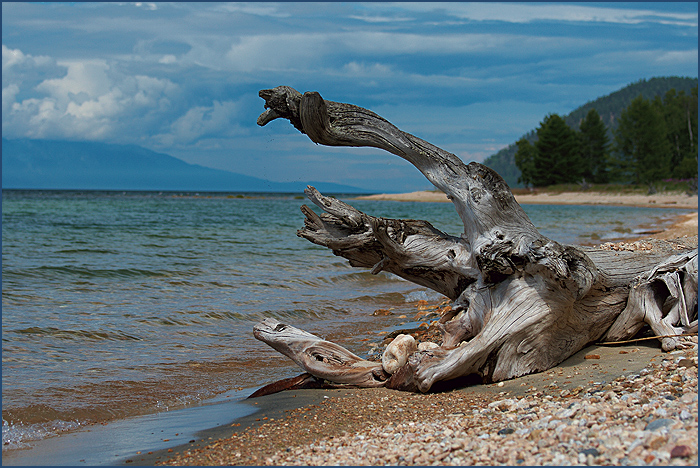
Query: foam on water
point(18, 436)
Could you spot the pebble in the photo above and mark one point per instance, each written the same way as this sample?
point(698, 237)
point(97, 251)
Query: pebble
point(625, 421)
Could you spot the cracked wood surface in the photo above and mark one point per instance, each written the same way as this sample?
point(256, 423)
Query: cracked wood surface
point(522, 302)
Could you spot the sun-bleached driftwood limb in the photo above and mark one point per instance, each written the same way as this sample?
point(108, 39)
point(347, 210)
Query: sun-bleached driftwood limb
point(413, 250)
point(318, 357)
point(522, 302)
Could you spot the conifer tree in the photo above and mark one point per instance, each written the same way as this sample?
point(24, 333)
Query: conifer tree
point(594, 148)
point(643, 151)
point(681, 117)
point(557, 158)
point(525, 160)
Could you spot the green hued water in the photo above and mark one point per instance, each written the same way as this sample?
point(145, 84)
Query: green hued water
point(118, 303)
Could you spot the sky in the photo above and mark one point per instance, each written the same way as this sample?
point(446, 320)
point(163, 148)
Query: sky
point(183, 78)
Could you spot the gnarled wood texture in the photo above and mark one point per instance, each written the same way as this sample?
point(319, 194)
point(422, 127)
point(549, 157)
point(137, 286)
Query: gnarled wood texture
point(522, 302)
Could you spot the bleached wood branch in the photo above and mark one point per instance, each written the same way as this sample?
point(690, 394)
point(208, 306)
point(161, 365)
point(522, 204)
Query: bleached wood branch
point(522, 302)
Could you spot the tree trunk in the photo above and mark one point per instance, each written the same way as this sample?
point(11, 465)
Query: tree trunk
point(522, 303)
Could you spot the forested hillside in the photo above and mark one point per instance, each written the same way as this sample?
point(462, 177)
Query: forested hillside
point(610, 108)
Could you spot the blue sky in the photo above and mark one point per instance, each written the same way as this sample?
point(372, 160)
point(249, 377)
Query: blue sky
point(183, 78)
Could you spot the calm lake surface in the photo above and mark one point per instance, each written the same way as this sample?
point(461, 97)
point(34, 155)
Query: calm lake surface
point(116, 304)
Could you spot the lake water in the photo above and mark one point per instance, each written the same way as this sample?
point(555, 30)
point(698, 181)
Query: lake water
point(120, 304)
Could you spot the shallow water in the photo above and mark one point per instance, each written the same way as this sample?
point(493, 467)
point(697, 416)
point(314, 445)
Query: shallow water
point(118, 304)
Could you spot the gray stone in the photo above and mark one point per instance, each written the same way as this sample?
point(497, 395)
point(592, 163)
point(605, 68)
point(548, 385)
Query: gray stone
point(658, 424)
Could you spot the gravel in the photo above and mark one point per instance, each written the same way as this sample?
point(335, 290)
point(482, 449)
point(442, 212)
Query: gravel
point(646, 418)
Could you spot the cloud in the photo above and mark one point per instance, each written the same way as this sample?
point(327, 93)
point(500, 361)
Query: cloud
point(676, 57)
point(90, 101)
point(252, 8)
point(9, 95)
point(274, 52)
point(146, 6)
point(303, 52)
point(168, 59)
point(373, 70)
point(381, 19)
point(85, 77)
point(202, 121)
point(183, 78)
point(534, 12)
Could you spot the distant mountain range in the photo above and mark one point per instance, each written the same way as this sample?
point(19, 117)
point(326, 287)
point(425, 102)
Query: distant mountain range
point(609, 107)
point(47, 164)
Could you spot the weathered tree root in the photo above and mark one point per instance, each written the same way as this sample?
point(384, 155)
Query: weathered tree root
point(522, 303)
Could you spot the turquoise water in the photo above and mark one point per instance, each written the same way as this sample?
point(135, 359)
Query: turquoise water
point(118, 304)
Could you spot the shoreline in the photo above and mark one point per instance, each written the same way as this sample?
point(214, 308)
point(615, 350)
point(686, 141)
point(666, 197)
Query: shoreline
point(361, 426)
point(303, 417)
point(331, 427)
point(683, 225)
point(660, 200)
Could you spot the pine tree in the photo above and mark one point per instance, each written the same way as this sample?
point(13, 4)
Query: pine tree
point(643, 151)
point(594, 148)
point(525, 160)
point(557, 158)
point(681, 117)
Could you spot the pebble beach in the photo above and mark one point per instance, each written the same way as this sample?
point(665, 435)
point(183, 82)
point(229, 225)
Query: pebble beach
point(623, 404)
point(588, 411)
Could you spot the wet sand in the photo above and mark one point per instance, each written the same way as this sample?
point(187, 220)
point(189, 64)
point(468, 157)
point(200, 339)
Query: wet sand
point(333, 427)
point(336, 427)
point(641, 399)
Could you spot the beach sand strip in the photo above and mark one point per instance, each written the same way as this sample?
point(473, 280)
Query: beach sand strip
point(626, 404)
point(661, 200)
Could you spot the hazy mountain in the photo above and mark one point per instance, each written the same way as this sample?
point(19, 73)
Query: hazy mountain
point(46, 164)
point(609, 107)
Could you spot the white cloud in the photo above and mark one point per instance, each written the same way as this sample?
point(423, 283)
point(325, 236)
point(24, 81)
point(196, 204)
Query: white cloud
point(381, 19)
point(675, 57)
point(89, 77)
point(373, 70)
point(300, 51)
point(14, 61)
point(168, 59)
point(531, 12)
point(201, 121)
point(252, 8)
point(146, 6)
point(9, 95)
point(90, 101)
point(11, 57)
point(274, 52)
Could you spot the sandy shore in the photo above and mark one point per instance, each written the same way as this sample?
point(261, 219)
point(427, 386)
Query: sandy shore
point(629, 404)
point(662, 200)
point(625, 404)
point(685, 225)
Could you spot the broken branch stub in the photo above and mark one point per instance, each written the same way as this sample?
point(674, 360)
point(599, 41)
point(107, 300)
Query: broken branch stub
point(522, 302)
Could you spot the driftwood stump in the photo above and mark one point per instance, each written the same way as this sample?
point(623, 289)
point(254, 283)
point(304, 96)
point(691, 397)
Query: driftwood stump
point(522, 303)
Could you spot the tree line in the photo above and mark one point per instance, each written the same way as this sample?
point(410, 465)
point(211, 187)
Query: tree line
point(654, 140)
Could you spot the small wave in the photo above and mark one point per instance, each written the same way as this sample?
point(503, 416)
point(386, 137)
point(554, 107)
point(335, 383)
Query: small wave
point(348, 278)
point(88, 251)
point(17, 436)
point(426, 295)
point(76, 334)
point(225, 315)
point(84, 272)
point(391, 298)
point(18, 298)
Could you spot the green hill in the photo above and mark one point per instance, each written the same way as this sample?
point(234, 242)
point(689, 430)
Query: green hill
point(609, 107)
